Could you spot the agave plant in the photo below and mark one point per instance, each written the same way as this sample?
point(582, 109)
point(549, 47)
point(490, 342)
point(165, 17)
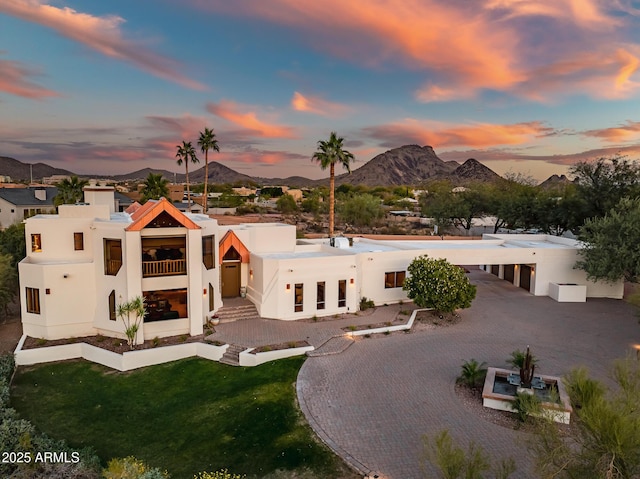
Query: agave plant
point(472, 373)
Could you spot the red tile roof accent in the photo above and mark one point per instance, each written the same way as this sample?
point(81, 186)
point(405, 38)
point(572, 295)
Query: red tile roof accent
point(152, 209)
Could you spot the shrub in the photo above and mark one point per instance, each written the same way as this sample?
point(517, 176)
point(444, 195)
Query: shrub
point(366, 303)
point(222, 474)
point(472, 373)
point(155, 342)
point(131, 468)
point(582, 390)
point(7, 366)
point(526, 405)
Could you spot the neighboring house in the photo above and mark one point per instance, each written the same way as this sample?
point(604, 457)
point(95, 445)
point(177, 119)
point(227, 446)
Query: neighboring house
point(87, 259)
point(17, 204)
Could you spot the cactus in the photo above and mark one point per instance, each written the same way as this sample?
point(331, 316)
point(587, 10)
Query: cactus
point(527, 369)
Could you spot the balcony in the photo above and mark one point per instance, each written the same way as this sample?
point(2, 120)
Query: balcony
point(166, 267)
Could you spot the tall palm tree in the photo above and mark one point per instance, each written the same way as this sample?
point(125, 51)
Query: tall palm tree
point(187, 154)
point(328, 154)
point(206, 142)
point(70, 191)
point(155, 187)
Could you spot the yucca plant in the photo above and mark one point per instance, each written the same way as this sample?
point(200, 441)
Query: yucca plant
point(472, 373)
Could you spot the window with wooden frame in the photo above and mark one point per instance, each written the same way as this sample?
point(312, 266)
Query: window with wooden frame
point(298, 297)
point(394, 279)
point(208, 252)
point(112, 256)
point(36, 243)
point(33, 300)
point(78, 241)
point(211, 298)
point(320, 295)
point(342, 293)
point(112, 306)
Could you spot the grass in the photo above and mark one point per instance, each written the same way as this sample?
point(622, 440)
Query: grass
point(186, 416)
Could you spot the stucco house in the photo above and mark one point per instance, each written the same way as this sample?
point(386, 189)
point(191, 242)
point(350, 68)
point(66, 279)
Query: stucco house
point(16, 204)
point(84, 261)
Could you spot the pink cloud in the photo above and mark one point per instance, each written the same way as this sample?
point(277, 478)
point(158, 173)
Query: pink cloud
point(615, 134)
point(241, 116)
point(315, 104)
point(15, 80)
point(441, 135)
point(102, 34)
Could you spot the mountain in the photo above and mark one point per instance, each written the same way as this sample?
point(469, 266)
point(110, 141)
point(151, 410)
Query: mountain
point(19, 171)
point(555, 181)
point(406, 165)
point(473, 170)
point(141, 175)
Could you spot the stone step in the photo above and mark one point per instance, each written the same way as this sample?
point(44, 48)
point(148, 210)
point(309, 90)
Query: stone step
point(228, 314)
point(232, 355)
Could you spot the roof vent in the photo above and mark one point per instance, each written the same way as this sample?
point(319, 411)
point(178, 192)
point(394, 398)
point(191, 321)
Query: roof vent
point(339, 242)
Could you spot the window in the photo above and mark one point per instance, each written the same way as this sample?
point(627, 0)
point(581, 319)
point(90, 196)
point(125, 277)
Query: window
point(394, 279)
point(112, 306)
point(342, 293)
point(211, 303)
point(208, 252)
point(78, 241)
point(320, 295)
point(36, 243)
point(298, 297)
point(33, 300)
point(112, 256)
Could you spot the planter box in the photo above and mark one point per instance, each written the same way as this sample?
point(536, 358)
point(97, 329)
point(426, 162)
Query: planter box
point(568, 292)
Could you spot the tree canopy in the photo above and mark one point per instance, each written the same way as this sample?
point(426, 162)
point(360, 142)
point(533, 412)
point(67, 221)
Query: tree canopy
point(438, 284)
point(70, 191)
point(612, 244)
point(155, 187)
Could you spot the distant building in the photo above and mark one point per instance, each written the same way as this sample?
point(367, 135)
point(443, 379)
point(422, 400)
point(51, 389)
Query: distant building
point(5, 179)
point(17, 204)
point(55, 179)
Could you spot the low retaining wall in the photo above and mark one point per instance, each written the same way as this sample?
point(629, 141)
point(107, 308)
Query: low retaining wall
point(254, 359)
point(122, 362)
point(388, 329)
point(568, 293)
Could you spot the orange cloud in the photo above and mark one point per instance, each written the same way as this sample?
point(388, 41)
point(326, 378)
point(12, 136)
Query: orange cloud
point(14, 79)
point(437, 135)
point(616, 134)
point(315, 104)
point(248, 120)
point(102, 34)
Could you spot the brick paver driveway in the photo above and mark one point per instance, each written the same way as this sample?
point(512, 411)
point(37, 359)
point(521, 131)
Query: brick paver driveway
point(373, 402)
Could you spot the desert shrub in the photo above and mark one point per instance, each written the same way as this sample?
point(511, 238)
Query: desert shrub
point(582, 389)
point(131, 468)
point(7, 366)
point(526, 405)
point(366, 303)
point(472, 373)
point(222, 474)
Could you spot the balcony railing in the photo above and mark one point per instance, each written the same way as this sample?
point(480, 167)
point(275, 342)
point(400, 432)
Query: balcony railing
point(166, 267)
point(112, 266)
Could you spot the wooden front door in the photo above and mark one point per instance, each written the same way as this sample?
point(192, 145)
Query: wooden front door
point(230, 279)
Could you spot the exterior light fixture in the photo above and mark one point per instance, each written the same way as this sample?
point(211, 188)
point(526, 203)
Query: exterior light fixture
point(351, 281)
point(204, 292)
point(288, 287)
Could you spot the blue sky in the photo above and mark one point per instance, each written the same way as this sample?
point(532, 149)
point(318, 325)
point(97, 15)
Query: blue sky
point(525, 86)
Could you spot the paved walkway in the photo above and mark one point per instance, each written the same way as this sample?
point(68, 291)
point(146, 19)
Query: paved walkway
point(373, 402)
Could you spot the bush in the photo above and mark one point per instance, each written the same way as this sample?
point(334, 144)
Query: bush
point(472, 374)
point(7, 366)
point(526, 405)
point(438, 284)
point(582, 390)
point(366, 303)
point(222, 474)
point(131, 468)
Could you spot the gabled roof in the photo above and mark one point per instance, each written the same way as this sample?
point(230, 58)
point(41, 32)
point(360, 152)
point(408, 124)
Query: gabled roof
point(231, 240)
point(26, 196)
point(133, 207)
point(154, 208)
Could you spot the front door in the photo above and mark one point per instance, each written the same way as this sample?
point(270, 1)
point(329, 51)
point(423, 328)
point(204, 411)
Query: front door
point(230, 279)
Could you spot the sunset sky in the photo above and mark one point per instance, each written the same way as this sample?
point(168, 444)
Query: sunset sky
point(524, 86)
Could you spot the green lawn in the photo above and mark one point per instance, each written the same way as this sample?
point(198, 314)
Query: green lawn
point(185, 417)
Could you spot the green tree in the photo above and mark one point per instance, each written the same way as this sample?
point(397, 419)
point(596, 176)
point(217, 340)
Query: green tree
point(612, 244)
point(605, 439)
point(8, 282)
point(185, 153)
point(438, 284)
point(70, 191)
point(361, 210)
point(155, 187)
point(602, 183)
point(13, 244)
point(287, 204)
point(207, 142)
point(131, 314)
point(327, 155)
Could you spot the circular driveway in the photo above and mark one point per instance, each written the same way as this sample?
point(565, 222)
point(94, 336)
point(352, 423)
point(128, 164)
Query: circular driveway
point(373, 402)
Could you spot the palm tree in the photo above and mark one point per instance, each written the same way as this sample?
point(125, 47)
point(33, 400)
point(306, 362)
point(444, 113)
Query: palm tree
point(155, 187)
point(70, 191)
point(206, 142)
point(328, 154)
point(186, 153)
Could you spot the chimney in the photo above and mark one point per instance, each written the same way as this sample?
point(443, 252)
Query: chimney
point(95, 194)
point(40, 194)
